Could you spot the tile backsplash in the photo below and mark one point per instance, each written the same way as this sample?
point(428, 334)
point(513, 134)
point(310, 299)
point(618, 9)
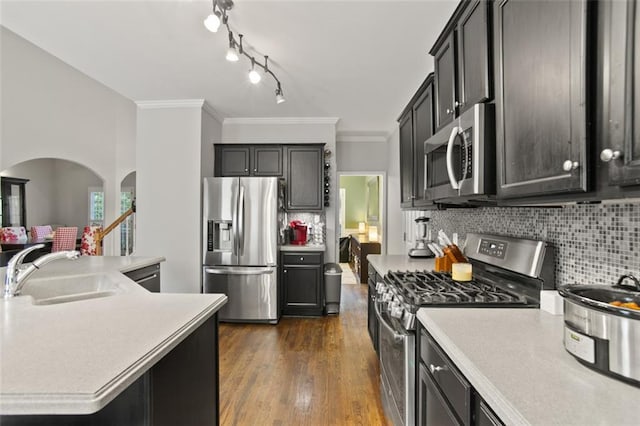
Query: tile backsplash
point(594, 243)
point(316, 221)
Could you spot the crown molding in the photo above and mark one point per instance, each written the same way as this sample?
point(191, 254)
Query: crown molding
point(176, 103)
point(273, 140)
point(212, 112)
point(282, 120)
point(362, 136)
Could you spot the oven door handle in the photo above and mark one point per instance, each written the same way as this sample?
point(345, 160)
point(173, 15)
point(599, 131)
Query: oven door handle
point(397, 338)
point(452, 177)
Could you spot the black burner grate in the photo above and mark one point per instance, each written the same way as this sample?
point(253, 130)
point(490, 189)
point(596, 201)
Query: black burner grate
point(437, 288)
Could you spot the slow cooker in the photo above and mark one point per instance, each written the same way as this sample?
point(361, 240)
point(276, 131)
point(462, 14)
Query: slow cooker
point(601, 335)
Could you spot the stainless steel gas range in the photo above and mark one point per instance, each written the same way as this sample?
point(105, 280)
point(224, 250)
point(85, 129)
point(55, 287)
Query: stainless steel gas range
point(507, 273)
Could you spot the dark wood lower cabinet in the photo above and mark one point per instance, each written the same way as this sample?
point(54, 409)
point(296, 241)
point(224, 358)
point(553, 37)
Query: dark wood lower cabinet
point(302, 283)
point(181, 389)
point(432, 406)
point(444, 396)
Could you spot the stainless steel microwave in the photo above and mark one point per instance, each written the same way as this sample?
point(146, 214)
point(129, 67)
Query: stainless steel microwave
point(460, 158)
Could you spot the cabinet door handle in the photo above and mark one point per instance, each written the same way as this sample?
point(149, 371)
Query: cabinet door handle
point(448, 111)
point(302, 259)
point(255, 170)
point(569, 165)
point(435, 368)
point(284, 271)
point(608, 154)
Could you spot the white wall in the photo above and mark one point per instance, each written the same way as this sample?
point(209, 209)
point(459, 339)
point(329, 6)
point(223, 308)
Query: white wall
point(169, 152)
point(395, 218)
point(51, 110)
point(298, 131)
point(362, 156)
point(72, 194)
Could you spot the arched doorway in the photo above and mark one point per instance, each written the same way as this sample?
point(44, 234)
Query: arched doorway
point(56, 192)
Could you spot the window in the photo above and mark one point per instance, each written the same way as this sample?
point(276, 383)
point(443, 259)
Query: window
point(12, 197)
point(96, 207)
point(128, 226)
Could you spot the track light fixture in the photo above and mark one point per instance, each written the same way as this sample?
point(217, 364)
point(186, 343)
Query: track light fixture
point(254, 75)
point(219, 17)
point(232, 53)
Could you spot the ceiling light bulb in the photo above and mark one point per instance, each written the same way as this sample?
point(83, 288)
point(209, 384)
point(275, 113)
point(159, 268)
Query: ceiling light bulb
point(232, 54)
point(212, 22)
point(279, 97)
point(254, 76)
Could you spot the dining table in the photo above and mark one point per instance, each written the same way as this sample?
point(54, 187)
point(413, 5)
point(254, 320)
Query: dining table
point(15, 245)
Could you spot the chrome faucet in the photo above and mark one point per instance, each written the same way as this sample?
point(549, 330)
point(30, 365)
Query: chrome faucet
point(17, 273)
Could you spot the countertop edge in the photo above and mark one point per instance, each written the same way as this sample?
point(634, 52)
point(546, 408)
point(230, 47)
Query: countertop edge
point(491, 394)
point(302, 248)
point(90, 403)
point(142, 263)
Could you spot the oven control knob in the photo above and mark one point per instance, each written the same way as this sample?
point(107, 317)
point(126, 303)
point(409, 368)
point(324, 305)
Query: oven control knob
point(397, 311)
point(409, 320)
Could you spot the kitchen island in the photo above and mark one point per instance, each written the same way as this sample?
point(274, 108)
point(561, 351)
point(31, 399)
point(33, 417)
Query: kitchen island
point(125, 356)
point(516, 361)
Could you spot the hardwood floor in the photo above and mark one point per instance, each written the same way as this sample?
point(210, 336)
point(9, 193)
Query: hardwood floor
point(303, 371)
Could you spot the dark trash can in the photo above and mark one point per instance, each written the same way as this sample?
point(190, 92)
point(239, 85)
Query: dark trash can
point(332, 287)
point(344, 249)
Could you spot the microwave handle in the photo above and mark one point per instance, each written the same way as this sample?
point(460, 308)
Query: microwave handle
point(452, 177)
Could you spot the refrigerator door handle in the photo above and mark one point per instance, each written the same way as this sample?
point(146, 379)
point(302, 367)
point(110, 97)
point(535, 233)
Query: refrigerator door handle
point(234, 218)
point(241, 221)
point(239, 271)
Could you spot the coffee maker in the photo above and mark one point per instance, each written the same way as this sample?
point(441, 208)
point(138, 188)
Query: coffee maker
point(423, 236)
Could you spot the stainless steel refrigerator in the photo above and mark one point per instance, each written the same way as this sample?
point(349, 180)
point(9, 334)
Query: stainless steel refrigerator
point(240, 246)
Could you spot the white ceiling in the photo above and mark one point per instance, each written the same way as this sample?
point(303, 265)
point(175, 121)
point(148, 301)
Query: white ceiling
point(360, 61)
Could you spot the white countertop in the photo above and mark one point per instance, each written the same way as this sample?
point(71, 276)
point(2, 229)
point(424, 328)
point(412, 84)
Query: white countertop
point(306, 247)
point(75, 357)
point(384, 263)
point(516, 360)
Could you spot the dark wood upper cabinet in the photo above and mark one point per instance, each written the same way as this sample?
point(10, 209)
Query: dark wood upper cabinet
point(474, 55)
point(621, 141)
point(463, 61)
point(232, 161)
point(423, 130)
point(445, 80)
point(406, 160)
point(304, 177)
point(540, 73)
point(415, 127)
point(266, 160)
point(248, 160)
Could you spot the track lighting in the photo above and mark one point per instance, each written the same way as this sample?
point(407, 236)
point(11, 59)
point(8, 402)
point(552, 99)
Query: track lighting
point(212, 22)
point(232, 53)
point(279, 95)
point(254, 75)
point(219, 17)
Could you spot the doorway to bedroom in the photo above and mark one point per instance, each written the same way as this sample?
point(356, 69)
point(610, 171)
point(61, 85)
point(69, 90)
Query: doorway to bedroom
point(361, 210)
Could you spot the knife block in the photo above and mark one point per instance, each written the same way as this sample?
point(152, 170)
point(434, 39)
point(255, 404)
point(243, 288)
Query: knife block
point(443, 264)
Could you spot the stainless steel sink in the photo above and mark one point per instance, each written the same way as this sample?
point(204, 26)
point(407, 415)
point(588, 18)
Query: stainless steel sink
point(48, 291)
